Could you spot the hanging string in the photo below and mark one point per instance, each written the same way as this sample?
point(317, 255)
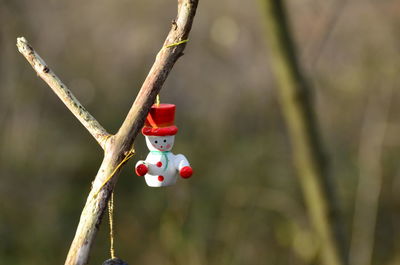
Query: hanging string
point(176, 43)
point(111, 200)
point(158, 100)
point(127, 157)
point(110, 218)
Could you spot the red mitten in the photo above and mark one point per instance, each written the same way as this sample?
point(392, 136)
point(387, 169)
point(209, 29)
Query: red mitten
point(141, 170)
point(186, 172)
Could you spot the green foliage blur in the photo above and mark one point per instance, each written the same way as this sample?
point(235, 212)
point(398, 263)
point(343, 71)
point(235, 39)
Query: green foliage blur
point(244, 204)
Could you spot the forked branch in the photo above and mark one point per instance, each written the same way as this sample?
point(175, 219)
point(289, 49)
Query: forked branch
point(119, 145)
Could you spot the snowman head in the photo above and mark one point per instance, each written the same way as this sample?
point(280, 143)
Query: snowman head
point(160, 143)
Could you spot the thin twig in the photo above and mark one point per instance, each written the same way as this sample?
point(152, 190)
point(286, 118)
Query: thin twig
point(370, 180)
point(319, 43)
point(62, 91)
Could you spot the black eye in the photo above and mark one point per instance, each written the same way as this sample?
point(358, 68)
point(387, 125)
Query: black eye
point(156, 142)
point(165, 140)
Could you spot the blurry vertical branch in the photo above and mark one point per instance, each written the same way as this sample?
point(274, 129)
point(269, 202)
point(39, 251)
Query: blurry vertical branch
point(310, 161)
point(118, 147)
point(371, 173)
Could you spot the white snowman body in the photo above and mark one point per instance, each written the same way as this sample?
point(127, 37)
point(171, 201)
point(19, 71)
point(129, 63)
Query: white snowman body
point(163, 166)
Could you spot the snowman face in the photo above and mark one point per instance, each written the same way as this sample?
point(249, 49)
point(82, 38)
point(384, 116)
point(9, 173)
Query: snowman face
point(160, 143)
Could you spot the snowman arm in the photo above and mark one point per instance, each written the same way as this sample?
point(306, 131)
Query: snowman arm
point(183, 166)
point(150, 167)
point(180, 162)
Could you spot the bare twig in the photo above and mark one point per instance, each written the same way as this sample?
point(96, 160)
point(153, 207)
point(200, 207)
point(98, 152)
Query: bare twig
point(62, 91)
point(118, 147)
point(318, 43)
point(370, 180)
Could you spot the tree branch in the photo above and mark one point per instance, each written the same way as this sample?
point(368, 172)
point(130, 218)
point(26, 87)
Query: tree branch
point(62, 91)
point(371, 150)
point(309, 156)
point(163, 64)
point(121, 144)
point(118, 147)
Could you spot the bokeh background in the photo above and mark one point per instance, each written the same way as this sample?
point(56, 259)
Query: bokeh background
point(244, 204)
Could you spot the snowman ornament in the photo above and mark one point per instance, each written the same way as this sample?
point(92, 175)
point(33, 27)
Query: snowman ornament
point(161, 167)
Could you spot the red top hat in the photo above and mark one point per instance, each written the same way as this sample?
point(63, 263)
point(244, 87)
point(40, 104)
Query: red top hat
point(160, 121)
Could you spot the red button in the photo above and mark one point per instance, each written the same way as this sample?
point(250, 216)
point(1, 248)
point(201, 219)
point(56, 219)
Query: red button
point(159, 164)
point(160, 178)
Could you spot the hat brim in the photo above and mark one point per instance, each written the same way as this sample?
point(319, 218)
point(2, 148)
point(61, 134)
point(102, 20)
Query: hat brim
point(163, 131)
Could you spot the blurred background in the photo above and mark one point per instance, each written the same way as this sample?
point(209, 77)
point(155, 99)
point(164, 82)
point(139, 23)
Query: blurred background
point(244, 204)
